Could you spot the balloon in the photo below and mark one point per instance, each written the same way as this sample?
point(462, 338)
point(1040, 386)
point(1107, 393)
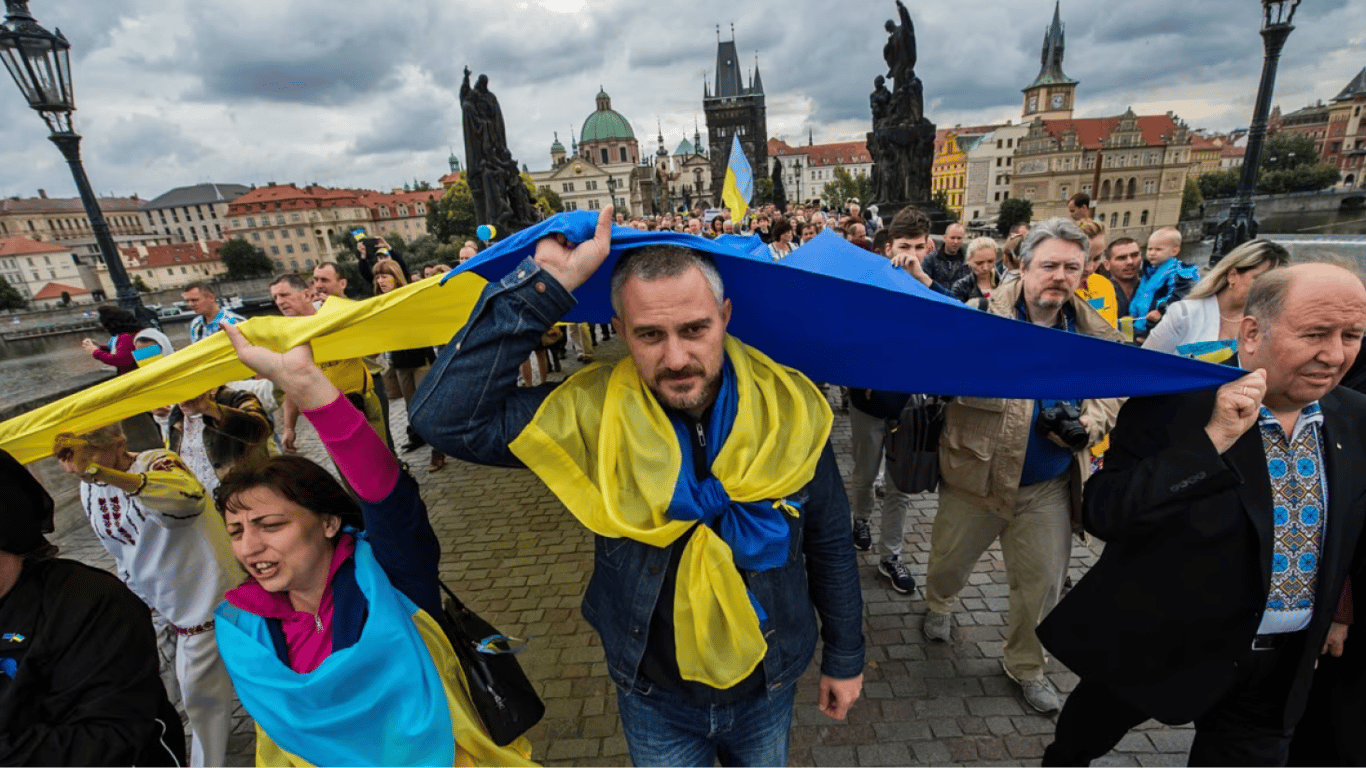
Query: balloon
point(486, 232)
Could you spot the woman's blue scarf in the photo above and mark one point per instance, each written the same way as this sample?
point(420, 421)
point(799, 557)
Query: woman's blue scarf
point(378, 702)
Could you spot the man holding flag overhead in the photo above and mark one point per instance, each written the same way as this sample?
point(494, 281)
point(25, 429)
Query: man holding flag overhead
point(705, 470)
point(738, 187)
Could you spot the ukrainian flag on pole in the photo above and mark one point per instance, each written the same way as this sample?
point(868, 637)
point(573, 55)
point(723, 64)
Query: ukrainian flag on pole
point(739, 185)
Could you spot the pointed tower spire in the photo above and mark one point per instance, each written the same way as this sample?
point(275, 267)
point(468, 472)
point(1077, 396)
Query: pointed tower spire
point(696, 137)
point(810, 136)
point(1050, 57)
point(758, 85)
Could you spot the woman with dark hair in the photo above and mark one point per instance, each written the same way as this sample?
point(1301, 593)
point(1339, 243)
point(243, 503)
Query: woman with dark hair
point(781, 245)
point(410, 365)
point(317, 586)
point(121, 326)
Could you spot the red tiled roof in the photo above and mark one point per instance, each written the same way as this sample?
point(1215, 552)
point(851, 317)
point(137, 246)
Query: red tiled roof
point(18, 245)
point(54, 291)
point(1231, 151)
point(285, 197)
point(1092, 130)
point(375, 199)
point(450, 178)
point(1199, 142)
point(171, 255)
point(40, 205)
point(839, 153)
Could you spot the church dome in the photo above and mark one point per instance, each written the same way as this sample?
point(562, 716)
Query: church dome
point(605, 124)
point(684, 148)
point(557, 147)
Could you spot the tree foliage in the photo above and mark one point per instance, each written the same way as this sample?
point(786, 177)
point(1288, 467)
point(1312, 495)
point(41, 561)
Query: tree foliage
point(1191, 199)
point(1286, 151)
point(450, 219)
point(10, 298)
point(846, 185)
point(551, 199)
point(1016, 210)
point(243, 260)
point(763, 191)
point(941, 199)
point(1306, 177)
point(1216, 184)
point(140, 285)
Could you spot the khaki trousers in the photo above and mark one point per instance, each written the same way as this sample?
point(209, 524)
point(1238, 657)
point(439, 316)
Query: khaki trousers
point(1036, 543)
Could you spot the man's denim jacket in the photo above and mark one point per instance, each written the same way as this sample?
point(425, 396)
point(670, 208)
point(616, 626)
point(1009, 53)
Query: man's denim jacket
point(470, 406)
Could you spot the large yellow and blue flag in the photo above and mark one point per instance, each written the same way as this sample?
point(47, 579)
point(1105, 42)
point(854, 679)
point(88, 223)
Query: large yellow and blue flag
point(739, 185)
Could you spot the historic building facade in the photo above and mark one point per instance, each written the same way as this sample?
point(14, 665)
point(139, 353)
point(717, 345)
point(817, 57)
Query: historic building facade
point(298, 227)
point(1134, 167)
point(807, 169)
point(603, 166)
point(732, 108)
point(168, 266)
point(1337, 128)
point(187, 214)
point(949, 174)
point(42, 271)
point(991, 161)
point(63, 220)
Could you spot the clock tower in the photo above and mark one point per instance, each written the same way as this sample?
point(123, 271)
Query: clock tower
point(1051, 95)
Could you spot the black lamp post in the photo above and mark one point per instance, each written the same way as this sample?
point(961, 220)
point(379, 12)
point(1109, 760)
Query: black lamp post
point(1240, 227)
point(797, 169)
point(39, 62)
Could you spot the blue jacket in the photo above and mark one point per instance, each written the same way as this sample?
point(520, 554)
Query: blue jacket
point(470, 407)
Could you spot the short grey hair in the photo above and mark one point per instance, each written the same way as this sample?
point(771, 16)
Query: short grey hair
point(654, 262)
point(1056, 228)
point(105, 437)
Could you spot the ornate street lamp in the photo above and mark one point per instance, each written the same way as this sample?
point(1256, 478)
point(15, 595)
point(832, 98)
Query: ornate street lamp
point(797, 169)
point(40, 64)
point(1240, 227)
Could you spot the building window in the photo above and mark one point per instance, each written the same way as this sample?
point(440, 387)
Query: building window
point(1105, 190)
point(1133, 188)
point(602, 152)
point(1143, 219)
point(280, 219)
point(568, 186)
point(279, 264)
point(289, 249)
point(1114, 220)
point(1149, 187)
point(294, 217)
point(1064, 193)
point(270, 234)
point(251, 222)
point(256, 236)
point(998, 197)
point(275, 250)
point(284, 234)
point(1126, 218)
point(304, 248)
point(294, 263)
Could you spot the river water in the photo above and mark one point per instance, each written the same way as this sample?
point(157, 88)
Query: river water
point(33, 368)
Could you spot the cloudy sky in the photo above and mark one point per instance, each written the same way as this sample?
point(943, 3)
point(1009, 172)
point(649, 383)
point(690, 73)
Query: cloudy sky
point(357, 93)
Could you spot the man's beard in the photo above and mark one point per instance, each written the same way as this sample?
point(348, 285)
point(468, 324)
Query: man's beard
point(703, 396)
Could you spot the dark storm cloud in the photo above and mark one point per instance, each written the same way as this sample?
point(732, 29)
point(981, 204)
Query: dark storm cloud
point(142, 140)
point(419, 128)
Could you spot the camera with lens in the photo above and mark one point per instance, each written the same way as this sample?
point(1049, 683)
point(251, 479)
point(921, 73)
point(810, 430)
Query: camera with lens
point(1063, 419)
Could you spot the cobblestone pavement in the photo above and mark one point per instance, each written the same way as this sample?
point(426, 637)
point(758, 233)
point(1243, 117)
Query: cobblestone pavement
point(520, 560)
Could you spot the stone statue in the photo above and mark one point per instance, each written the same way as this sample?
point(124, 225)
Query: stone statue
point(880, 101)
point(902, 140)
point(500, 197)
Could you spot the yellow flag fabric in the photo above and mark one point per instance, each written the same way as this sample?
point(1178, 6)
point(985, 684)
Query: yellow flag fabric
point(425, 313)
point(473, 747)
point(603, 444)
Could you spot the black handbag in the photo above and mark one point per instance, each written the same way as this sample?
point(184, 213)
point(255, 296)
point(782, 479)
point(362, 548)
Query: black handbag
point(913, 444)
point(505, 699)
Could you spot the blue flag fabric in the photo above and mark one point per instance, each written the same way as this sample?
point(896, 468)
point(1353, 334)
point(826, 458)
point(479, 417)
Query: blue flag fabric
point(845, 316)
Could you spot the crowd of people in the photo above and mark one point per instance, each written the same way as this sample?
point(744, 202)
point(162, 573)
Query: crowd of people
point(726, 541)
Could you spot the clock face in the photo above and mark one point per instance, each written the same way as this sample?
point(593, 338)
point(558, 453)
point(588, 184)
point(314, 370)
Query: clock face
point(1057, 101)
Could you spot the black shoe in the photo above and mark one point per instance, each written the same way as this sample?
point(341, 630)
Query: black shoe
point(895, 571)
point(863, 534)
point(414, 444)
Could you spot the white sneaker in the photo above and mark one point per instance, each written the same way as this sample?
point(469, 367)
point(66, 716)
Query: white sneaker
point(938, 627)
point(1039, 693)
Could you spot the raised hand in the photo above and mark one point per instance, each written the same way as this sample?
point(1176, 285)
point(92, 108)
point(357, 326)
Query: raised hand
point(571, 265)
point(293, 370)
point(1235, 409)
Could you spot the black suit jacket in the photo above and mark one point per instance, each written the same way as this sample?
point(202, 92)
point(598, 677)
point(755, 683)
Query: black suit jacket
point(1178, 593)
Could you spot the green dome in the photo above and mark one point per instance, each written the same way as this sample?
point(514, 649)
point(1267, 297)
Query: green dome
point(557, 146)
point(684, 148)
point(606, 123)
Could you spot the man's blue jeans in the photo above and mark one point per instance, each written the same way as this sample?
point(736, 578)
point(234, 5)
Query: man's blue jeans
point(664, 729)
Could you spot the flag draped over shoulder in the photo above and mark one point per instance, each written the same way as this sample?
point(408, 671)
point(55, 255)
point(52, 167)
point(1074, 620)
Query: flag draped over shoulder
point(425, 313)
point(739, 185)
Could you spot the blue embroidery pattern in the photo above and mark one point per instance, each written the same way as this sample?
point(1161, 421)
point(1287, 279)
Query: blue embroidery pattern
point(1298, 499)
